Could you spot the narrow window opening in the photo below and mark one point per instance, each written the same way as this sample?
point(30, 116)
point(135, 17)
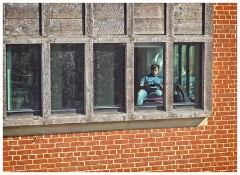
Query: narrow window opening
point(187, 75)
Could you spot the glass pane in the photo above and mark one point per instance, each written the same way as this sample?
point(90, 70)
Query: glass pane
point(109, 75)
point(149, 84)
point(182, 66)
point(23, 77)
point(67, 77)
point(195, 74)
point(187, 75)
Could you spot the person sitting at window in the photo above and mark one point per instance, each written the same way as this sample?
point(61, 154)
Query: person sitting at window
point(150, 84)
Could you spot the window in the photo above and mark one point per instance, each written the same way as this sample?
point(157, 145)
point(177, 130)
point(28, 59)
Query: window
point(188, 73)
point(83, 63)
point(109, 76)
point(146, 55)
point(23, 78)
point(67, 77)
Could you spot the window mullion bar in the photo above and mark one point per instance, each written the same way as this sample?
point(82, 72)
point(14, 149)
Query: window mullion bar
point(129, 63)
point(129, 78)
point(89, 19)
point(4, 73)
point(129, 19)
point(207, 59)
point(207, 76)
point(168, 76)
point(208, 27)
point(45, 19)
point(168, 71)
point(4, 83)
point(88, 62)
point(46, 81)
point(88, 80)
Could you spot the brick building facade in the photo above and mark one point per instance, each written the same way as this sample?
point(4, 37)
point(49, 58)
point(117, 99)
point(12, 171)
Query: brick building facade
point(208, 148)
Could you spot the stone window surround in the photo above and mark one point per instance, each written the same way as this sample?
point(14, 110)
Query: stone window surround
point(114, 120)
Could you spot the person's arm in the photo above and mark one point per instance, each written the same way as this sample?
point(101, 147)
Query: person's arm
point(143, 82)
point(143, 85)
point(161, 84)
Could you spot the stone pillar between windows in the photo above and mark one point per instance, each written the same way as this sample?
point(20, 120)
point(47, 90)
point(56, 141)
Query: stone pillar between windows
point(88, 80)
point(129, 78)
point(4, 84)
point(46, 81)
point(168, 75)
point(207, 76)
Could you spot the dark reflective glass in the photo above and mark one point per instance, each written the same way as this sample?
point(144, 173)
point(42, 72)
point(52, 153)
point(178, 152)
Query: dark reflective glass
point(109, 75)
point(67, 77)
point(188, 74)
point(23, 78)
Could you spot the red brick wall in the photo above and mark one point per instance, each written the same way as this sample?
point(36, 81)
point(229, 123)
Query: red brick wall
point(206, 148)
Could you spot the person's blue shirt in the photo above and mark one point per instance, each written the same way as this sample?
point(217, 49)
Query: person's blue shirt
point(153, 81)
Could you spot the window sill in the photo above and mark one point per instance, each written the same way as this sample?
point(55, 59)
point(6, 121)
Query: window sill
point(141, 115)
point(176, 113)
point(20, 120)
point(103, 126)
point(30, 120)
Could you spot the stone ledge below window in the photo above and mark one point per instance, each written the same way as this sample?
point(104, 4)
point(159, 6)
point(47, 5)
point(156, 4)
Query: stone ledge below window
point(38, 129)
point(100, 117)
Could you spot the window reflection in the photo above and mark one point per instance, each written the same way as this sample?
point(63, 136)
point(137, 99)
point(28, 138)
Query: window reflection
point(187, 73)
point(67, 70)
point(23, 78)
point(109, 75)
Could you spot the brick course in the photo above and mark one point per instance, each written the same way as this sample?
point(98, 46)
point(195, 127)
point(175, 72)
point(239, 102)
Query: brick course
point(193, 149)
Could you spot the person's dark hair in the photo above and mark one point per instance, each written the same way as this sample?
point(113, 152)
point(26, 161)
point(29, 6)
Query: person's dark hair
point(154, 66)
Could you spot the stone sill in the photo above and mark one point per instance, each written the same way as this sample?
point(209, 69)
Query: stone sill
point(66, 123)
